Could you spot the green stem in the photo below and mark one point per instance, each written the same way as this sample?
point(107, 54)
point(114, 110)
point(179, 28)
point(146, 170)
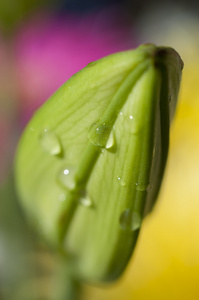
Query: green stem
point(65, 286)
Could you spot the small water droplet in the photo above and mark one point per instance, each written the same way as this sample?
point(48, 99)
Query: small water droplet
point(85, 201)
point(149, 187)
point(111, 141)
point(50, 142)
point(121, 113)
point(131, 124)
point(123, 183)
point(130, 220)
point(62, 197)
point(141, 187)
point(66, 178)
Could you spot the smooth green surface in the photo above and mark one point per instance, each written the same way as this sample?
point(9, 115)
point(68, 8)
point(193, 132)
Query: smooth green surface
point(126, 98)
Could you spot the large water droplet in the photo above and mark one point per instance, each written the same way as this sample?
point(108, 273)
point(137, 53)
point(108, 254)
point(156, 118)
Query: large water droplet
point(130, 220)
point(111, 141)
point(50, 142)
point(99, 134)
point(66, 178)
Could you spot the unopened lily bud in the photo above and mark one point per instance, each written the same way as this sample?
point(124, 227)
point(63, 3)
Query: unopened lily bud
point(90, 162)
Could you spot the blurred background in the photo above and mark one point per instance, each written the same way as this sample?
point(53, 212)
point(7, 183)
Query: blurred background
point(42, 44)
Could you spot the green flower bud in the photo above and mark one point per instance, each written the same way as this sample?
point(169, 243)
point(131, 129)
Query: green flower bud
point(90, 162)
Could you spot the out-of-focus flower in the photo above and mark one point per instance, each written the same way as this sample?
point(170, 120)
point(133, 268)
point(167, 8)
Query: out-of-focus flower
point(50, 50)
point(41, 56)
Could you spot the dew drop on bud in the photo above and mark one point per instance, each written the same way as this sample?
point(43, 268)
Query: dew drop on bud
point(141, 187)
point(123, 183)
point(130, 220)
point(66, 178)
point(50, 142)
point(85, 200)
point(99, 134)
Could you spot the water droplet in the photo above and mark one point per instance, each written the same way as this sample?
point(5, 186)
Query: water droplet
point(130, 220)
point(50, 142)
point(121, 113)
point(99, 134)
point(111, 141)
point(85, 201)
point(66, 178)
point(131, 124)
point(123, 183)
point(62, 197)
point(141, 187)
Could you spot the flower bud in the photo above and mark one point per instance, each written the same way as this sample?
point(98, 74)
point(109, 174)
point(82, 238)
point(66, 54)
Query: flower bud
point(90, 162)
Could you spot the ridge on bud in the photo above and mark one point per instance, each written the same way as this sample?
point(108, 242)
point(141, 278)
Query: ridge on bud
point(112, 130)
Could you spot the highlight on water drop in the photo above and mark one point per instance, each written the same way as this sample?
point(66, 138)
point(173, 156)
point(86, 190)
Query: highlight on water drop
point(111, 141)
point(50, 142)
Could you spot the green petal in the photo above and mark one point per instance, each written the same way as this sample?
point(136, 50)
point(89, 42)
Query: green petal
point(91, 160)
